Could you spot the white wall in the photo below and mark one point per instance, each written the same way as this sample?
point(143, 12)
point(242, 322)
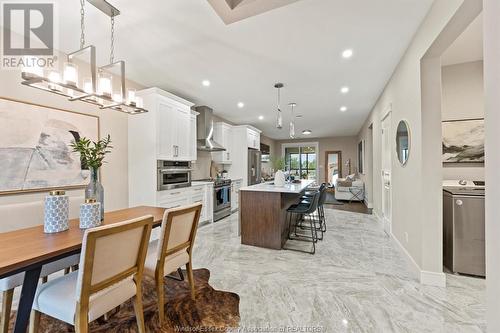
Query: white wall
point(492, 122)
point(463, 98)
point(114, 173)
point(403, 92)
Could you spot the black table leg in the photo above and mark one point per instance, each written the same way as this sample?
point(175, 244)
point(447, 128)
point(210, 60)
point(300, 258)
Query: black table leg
point(27, 296)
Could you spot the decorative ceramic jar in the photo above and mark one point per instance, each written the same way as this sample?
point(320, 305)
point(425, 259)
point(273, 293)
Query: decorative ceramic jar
point(90, 214)
point(56, 217)
point(95, 190)
point(279, 178)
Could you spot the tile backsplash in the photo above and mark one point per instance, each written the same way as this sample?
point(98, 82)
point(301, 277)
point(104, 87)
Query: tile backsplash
point(201, 168)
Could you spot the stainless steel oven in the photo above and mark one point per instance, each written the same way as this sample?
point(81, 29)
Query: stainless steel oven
point(173, 174)
point(222, 199)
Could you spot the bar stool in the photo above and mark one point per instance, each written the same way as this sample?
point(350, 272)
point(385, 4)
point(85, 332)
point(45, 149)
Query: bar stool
point(321, 221)
point(301, 212)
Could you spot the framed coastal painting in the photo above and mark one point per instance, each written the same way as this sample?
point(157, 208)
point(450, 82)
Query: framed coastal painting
point(463, 141)
point(34, 147)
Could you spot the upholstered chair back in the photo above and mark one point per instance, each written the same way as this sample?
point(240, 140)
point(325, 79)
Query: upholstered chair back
point(112, 253)
point(178, 230)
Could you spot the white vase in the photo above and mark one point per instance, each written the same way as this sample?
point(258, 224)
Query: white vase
point(279, 178)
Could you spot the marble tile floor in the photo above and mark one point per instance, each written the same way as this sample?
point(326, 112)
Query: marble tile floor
point(358, 281)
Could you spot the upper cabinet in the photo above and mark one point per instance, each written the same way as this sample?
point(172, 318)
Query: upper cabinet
point(253, 138)
point(175, 125)
point(223, 136)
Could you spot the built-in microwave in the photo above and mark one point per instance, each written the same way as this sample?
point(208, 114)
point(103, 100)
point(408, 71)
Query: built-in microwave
point(173, 174)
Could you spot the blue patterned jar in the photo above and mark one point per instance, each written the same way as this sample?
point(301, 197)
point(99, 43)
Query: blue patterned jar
point(56, 217)
point(90, 214)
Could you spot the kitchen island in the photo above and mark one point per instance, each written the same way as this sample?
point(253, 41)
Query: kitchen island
point(262, 213)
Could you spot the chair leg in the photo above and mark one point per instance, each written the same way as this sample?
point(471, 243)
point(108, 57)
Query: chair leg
point(161, 298)
point(82, 323)
point(139, 312)
point(189, 268)
point(34, 321)
point(7, 296)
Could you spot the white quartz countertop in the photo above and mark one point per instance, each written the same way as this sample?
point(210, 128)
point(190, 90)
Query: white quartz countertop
point(201, 183)
point(287, 188)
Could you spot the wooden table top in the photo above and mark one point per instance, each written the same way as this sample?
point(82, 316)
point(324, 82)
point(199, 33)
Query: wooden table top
point(24, 247)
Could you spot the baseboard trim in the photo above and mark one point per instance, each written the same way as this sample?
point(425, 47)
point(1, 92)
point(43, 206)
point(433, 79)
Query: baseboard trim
point(414, 267)
point(424, 277)
point(433, 279)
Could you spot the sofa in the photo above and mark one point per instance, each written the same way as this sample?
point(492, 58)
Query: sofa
point(349, 189)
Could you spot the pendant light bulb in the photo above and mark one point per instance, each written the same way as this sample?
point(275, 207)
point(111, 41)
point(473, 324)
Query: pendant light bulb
point(292, 121)
point(279, 116)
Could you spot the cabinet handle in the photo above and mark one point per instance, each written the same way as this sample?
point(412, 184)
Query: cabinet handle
point(175, 193)
point(228, 156)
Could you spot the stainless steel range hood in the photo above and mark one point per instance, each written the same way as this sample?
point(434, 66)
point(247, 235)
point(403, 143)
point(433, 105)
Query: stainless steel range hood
point(205, 130)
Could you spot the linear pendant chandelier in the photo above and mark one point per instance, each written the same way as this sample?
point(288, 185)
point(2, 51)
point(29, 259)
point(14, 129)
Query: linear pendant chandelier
point(82, 80)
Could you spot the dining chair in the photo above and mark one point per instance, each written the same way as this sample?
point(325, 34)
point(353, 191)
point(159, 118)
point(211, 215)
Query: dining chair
point(8, 285)
point(25, 215)
point(174, 249)
point(110, 273)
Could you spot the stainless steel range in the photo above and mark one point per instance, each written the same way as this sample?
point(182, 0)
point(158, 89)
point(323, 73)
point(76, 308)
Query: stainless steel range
point(222, 199)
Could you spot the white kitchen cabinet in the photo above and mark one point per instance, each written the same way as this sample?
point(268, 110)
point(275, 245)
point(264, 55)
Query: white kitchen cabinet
point(222, 135)
point(253, 139)
point(193, 152)
point(174, 131)
point(166, 132)
point(189, 195)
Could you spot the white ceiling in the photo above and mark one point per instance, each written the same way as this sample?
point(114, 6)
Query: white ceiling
point(176, 44)
point(468, 46)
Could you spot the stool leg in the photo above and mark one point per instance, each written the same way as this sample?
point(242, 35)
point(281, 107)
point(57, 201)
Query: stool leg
point(313, 230)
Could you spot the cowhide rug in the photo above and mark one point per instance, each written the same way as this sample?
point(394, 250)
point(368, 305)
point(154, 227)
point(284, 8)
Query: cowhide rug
point(212, 311)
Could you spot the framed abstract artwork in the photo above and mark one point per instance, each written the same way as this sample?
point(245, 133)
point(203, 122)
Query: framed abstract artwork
point(34, 147)
point(463, 141)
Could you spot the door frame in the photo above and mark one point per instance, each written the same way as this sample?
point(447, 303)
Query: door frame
point(339, 153)
point(387, 220)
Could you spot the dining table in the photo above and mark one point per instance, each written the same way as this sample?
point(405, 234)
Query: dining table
point(27, 250)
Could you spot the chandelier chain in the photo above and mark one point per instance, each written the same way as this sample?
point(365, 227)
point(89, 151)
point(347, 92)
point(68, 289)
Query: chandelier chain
point(112, 48)
point(82, 24)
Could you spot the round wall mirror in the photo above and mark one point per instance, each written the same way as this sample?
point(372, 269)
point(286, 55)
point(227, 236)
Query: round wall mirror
point(403, 142)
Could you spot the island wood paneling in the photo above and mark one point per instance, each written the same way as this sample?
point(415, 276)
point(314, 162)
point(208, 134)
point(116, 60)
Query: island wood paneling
point(263, 218)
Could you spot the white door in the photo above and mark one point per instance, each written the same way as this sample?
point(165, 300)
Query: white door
point(386, 173)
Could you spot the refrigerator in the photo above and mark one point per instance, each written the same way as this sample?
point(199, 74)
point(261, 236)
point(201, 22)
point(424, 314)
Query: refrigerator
point(254, 166)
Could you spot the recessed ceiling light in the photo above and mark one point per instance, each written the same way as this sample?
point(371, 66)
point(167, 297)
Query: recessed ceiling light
point(241, 104)
point(261, 117)
point(347, 53)
point(306, 132)
point(343, 108)
point(344, 90)
point(206, 83)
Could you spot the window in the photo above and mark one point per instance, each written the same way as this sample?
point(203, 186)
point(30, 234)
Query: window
point(301, 161)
